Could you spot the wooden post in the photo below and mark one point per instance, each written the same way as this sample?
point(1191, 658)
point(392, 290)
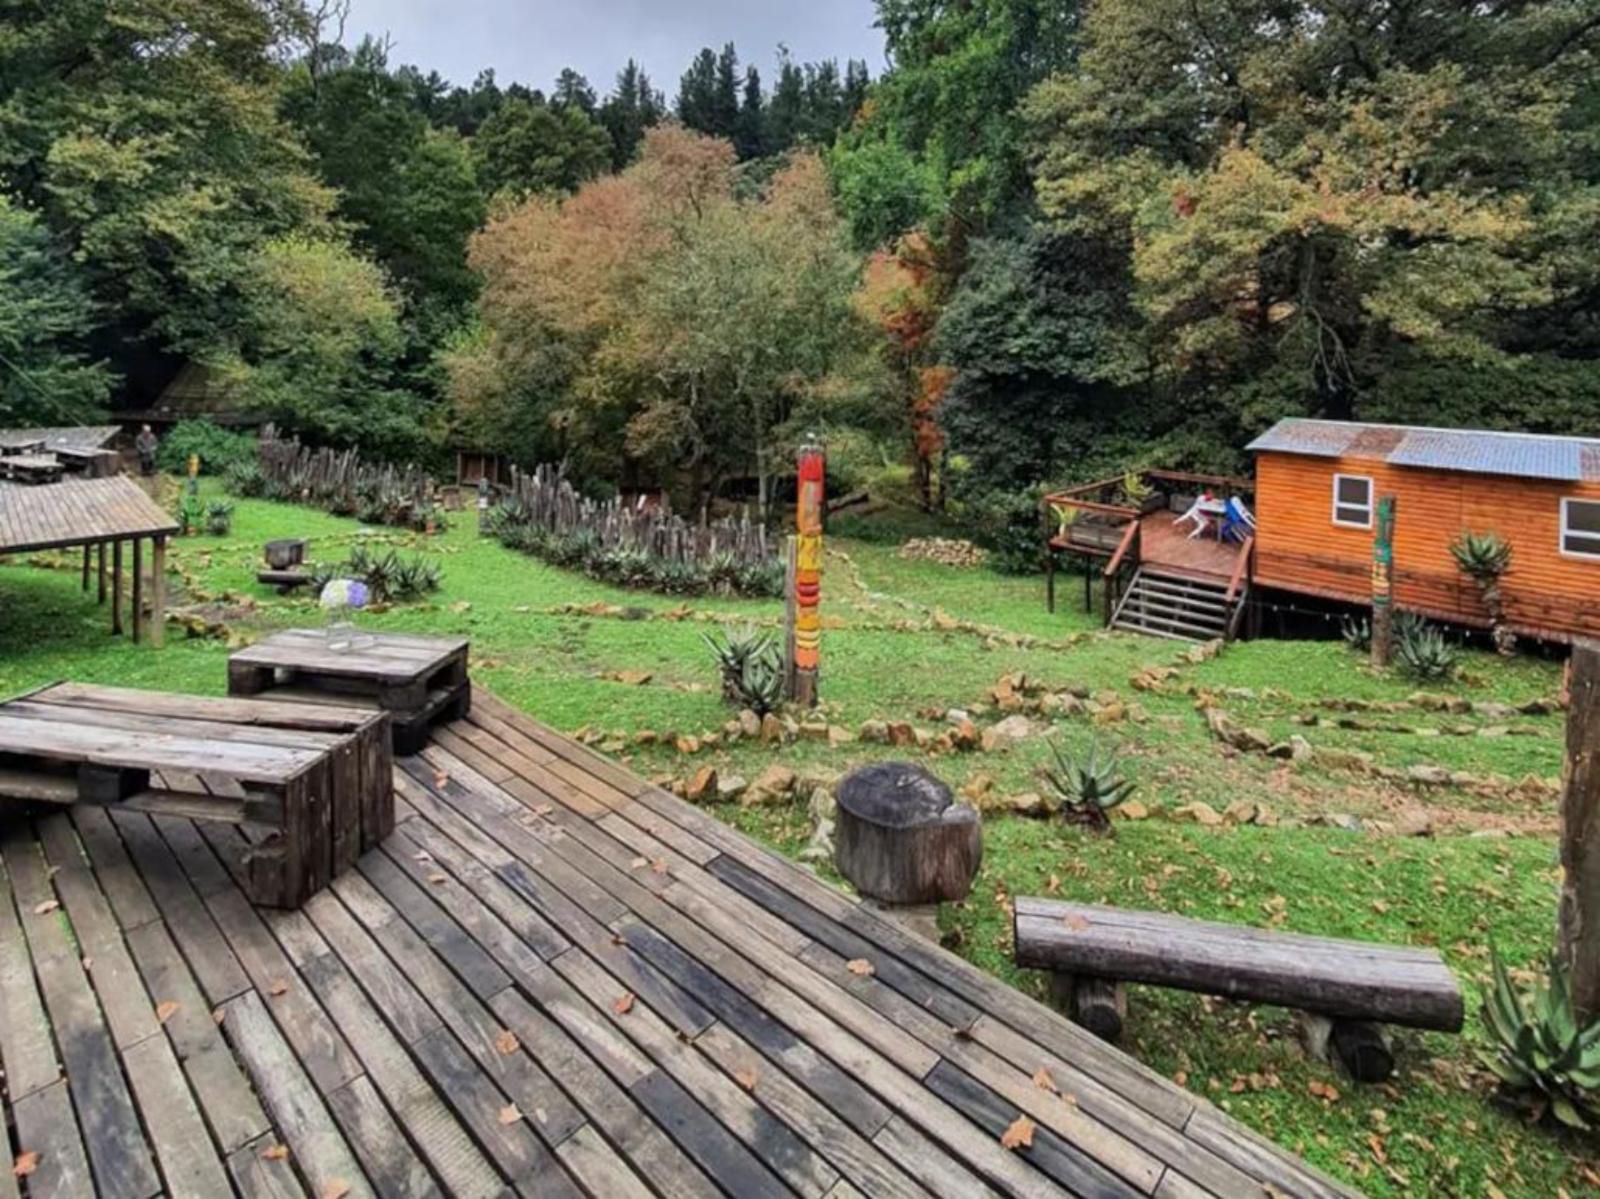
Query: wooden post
point(811, 473)
point(158, 591)
point(86, 568)
point(100, 567)
point(1579, 909)
point(138, 591)
point(1383, 584)
point(116, 588)
point(790, 612)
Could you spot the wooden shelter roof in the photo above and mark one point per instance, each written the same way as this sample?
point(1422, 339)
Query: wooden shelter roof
point(78, 512)
point(67, 437)
point(553, 979)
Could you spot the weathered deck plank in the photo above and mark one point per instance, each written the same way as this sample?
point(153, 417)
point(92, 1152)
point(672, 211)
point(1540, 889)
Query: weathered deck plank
point(551, 979)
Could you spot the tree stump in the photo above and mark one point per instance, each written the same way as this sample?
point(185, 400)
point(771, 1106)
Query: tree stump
point(902, 838)
point(286, 554)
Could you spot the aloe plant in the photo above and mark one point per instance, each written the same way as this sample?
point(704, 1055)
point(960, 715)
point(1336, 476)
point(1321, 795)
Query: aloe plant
point(743, 657)
point(1087, 788)
point(1422, 651)
point(1541, 1054)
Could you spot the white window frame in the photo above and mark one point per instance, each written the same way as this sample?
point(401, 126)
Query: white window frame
point(1568, 531)
point(1371, 505)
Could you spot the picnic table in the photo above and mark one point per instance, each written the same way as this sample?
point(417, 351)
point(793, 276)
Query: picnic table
point(31, 468)
point(311, 789)
point(418, 681)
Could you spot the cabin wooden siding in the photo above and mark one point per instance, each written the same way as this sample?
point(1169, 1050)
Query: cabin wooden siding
point(1299, 549)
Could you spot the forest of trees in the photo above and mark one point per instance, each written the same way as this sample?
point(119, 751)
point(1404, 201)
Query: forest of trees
point(1051, 240)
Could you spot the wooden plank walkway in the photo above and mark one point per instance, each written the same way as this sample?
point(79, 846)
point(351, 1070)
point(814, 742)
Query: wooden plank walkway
point(552, 980)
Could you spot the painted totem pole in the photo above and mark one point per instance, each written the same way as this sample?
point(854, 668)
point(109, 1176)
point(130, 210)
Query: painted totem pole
point(807, 597)
point(1383, 584)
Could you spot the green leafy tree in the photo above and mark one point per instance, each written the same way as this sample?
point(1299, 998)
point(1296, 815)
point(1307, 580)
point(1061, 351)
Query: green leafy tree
point(526, 148)
point(46, 375)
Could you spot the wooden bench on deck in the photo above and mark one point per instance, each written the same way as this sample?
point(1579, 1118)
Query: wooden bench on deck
point(1093, 950)
point(311, 788)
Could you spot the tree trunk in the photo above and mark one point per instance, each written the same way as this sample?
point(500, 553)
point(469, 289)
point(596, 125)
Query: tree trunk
point(1579, 911)
point(903, 839)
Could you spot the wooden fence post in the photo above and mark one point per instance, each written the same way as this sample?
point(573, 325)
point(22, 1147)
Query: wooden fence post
point(1579, 911)
point(1383, 584)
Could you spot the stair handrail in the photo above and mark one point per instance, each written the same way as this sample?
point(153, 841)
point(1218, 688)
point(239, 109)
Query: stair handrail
point(1123, 547)
point(1241, 569)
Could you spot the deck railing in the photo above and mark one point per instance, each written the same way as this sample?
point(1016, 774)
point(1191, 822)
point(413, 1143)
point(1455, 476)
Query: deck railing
point(1089, 516)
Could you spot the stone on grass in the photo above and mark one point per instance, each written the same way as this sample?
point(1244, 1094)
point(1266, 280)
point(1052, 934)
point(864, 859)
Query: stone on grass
point(1200, 812)
point(1132, 810)
point(874, 731)
point(772, 731)
point(702, 786)
point(749, 723)
point(1413, 824)
point(731, 786)
point(1240, 811)
point(838, 736)
point(1014, 728)
point(774, 785)
point(1428, 776)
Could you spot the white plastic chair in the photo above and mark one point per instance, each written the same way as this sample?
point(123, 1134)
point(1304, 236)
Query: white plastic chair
point(1195, 515)
point(1236, 507)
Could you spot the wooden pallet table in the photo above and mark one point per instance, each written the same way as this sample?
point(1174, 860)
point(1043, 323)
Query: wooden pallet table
point(312, 789)
point(416, 680)
point(31, 468)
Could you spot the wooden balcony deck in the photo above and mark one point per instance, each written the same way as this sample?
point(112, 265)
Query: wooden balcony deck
point(553, 980)
point(1166, 547)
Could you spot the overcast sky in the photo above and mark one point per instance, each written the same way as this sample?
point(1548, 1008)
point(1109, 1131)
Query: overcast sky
point(529, 41)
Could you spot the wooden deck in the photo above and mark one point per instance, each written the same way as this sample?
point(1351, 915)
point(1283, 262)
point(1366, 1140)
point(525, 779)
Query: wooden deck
point(1166, 547)
point(552, 980)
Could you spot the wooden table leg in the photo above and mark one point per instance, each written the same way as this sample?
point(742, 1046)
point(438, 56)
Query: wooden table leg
point(116, 588)
point(138, 589)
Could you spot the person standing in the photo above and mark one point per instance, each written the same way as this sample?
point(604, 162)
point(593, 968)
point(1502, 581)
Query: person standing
point(147, 443)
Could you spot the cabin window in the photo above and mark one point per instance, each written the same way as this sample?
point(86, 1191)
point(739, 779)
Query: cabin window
point(1580, 527)
point(1352, 501)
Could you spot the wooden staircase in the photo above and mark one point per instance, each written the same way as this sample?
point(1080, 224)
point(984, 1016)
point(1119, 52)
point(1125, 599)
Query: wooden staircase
point(1175, 607)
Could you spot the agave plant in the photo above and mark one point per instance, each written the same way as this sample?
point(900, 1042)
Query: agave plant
point(1486, 557)
point(1422, 652)
point(1540, 1052)
point(1357, 633)
point(735, 650)
point(1087, 788)
point(760, 685)
point(219, 518)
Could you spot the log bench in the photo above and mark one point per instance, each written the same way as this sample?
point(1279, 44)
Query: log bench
point(284, 580)
point(1348, 988)
point(310, 789)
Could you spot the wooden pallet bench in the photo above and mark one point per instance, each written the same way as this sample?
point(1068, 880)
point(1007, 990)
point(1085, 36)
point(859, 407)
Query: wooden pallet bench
point(418, 681)
point(312, 789)
point(1348, 987)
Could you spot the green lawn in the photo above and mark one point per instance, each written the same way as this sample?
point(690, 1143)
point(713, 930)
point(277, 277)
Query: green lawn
point(911, 636)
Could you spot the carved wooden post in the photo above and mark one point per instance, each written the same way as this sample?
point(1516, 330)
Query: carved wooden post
point(808, 575)
point(1383, 584)
point(1579, 911)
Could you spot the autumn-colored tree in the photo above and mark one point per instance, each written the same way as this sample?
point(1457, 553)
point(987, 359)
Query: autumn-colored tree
point(901, 294)
point(656, 312)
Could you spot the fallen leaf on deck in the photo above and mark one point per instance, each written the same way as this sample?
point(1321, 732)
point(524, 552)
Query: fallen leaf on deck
point(165, 1011)
point(440, 778)
point(25, 1163)
point(335, 1188)
point(437, 879)
point(638, 863)
point(861, 967)
point(510, 1114)
point(279, 987)
point(659, 865)
point(422, 855)
point(275, 1153)
point(746, 1078)
point(1044, 1082)
point(507, 1042)
point(1019, 1135)
point(88, 963)
point(219, 1014)
point(45, 908)
point(623, 1003)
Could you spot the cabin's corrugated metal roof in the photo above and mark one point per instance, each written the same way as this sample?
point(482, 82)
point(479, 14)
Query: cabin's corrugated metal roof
point(1519, 455)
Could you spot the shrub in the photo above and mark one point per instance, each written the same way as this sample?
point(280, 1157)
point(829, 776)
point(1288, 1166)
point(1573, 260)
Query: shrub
point(389, 577)
point(1421, 650)
point(217, 447)
point(1087, 788)
point(1010, 527)
point(191, 514)
point(1357, 633)
point(244, 479)
point(1541, 1055)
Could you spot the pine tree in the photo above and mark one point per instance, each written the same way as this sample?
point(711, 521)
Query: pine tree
point(786, 110)
point(628, 112)
point(697, 93)
point(824, 102)
point(573, 91)
point(857, 79)
point(750, 138)
point(725, 107)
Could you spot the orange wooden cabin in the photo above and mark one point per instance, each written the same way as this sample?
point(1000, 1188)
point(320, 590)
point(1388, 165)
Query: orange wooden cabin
point(1317, 488)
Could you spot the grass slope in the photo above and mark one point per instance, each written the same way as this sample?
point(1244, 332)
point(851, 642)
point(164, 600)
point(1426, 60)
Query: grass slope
point(900, 644)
